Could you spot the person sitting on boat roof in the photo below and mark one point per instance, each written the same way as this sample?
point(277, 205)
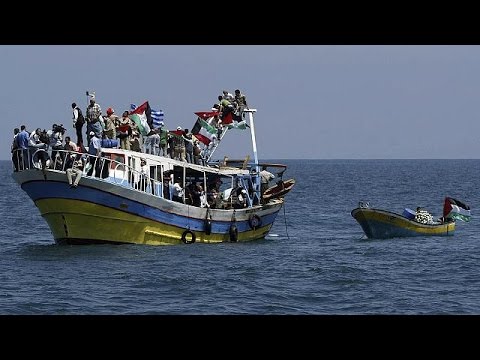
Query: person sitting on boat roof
point(240, 104)
point(225, 106)
point(228, 96)
point(423, 216)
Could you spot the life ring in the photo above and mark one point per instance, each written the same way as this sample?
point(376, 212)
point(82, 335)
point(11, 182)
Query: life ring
point(233, 233)
point(36, 158)
point(184, 237)
point(208, 226)
point(255, 221)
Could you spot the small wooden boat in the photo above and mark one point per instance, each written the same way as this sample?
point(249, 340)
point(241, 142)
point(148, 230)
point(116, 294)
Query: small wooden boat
point(278, 190)
point(382, 224)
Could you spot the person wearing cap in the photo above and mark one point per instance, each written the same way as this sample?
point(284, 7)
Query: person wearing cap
point(93, 113)
point(95, 144)
point(179, 145)
point(110, 124)
point(163, 134)
point(95, 150)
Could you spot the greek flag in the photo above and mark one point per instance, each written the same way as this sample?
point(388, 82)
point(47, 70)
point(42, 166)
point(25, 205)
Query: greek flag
point(157, 117)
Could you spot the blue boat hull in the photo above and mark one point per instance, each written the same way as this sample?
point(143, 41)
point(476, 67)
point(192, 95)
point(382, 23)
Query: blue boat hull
point(381, 224)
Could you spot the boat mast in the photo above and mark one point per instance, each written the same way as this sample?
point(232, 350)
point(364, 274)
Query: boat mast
point(217, 142)
point(254, 148)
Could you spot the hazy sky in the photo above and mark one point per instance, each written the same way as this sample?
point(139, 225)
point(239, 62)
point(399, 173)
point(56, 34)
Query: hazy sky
point(313, 102)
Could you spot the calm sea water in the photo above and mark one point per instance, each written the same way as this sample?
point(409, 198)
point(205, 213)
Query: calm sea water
point(315, 261)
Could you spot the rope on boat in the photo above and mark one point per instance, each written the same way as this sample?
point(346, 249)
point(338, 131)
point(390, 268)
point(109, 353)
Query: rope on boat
point(285, 218)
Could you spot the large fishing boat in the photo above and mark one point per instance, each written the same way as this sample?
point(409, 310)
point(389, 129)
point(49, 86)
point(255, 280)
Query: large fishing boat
point(125, 196)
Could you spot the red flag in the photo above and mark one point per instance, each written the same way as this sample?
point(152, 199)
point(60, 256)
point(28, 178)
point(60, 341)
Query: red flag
point(228, 119)
point(206, 114)
point(176, 132)
point(203, 139)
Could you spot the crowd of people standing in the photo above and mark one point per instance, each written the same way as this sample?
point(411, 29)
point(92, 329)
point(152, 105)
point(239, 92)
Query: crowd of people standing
point(96, 130)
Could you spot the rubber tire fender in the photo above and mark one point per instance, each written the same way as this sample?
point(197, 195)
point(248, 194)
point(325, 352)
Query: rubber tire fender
point(184, 237)
point(35, 157)
point(208, 226)
point(255, 221)
point(233, 233)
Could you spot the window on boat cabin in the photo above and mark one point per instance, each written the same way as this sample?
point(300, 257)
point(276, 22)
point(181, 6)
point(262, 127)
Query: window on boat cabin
point(157, 172)
point(117, 160)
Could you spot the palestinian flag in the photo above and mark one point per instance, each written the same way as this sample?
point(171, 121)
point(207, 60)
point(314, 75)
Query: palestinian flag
point(203, 131)
point(454, 209)
point(142, 116)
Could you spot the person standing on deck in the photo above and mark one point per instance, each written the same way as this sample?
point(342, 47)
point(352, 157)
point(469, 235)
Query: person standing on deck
point(78, 121)
point(93, 113)
point(22, 141)
point(265, 177)
point(13, 148)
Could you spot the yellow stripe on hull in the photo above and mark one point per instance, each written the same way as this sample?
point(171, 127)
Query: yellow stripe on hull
point(409, 225)
point(80, 220)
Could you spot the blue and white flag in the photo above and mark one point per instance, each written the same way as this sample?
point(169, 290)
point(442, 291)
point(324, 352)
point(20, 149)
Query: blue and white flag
point(133, 107)
point(157, 117)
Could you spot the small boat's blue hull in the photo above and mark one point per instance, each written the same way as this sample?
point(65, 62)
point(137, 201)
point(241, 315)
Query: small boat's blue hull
point(381, 224)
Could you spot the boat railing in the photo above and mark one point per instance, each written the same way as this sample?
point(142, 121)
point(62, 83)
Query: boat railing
point(109, 170)
point(99, 167)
